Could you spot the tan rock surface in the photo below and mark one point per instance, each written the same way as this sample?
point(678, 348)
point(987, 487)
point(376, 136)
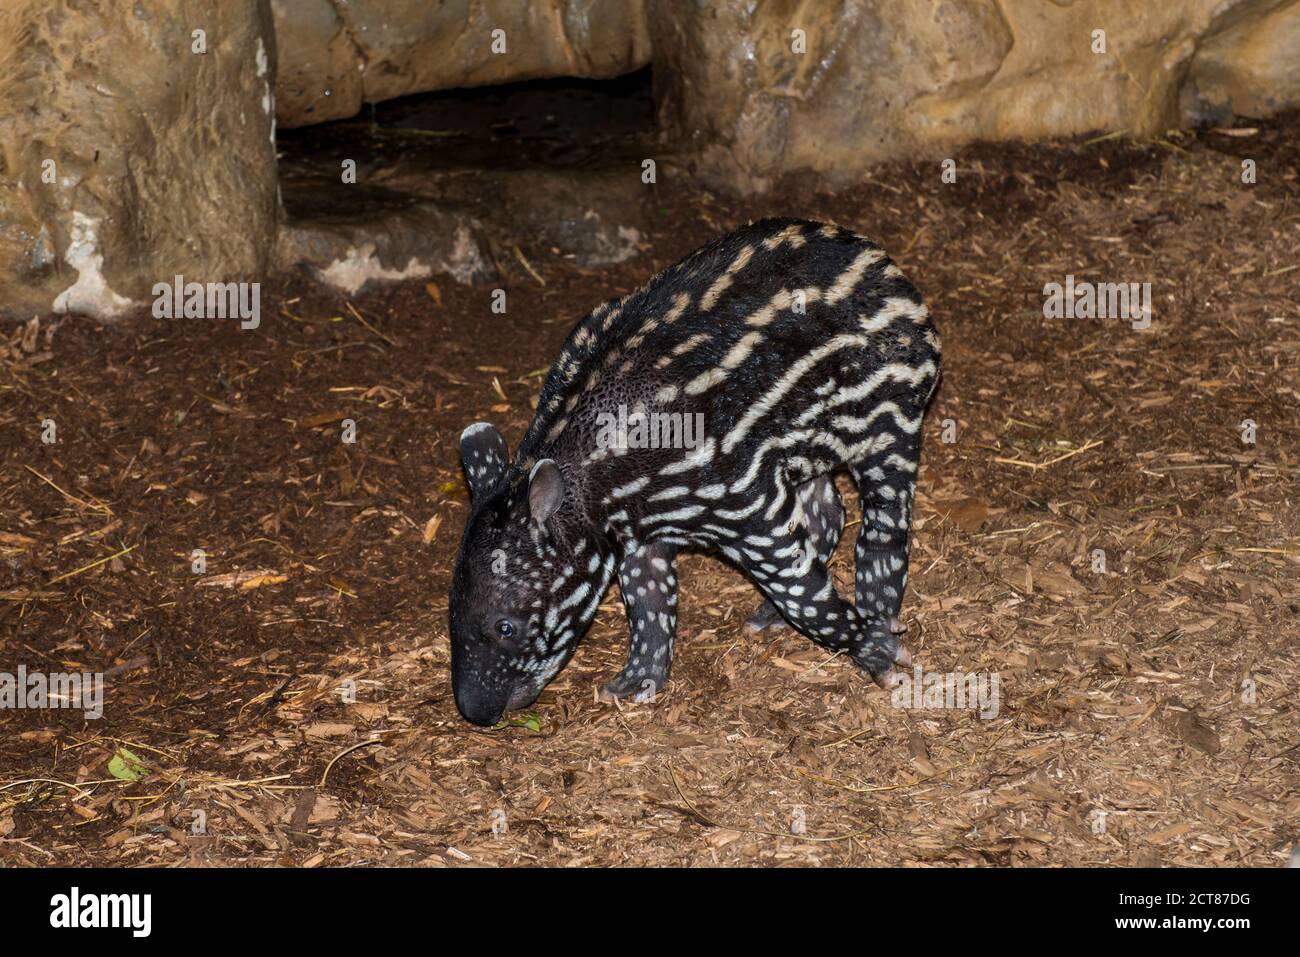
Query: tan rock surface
point(1252, 68)
point(884, 80)
point(335, 55)
point(127, 158)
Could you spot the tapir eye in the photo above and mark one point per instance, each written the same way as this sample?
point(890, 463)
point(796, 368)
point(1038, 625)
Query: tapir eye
point(505, 628)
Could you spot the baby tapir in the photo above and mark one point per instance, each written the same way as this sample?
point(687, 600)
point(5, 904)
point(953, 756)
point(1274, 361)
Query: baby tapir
point(707, 409)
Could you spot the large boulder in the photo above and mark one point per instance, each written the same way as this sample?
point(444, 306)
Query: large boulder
point(756, 90)
point(334, 56)
point(127, 158)
point(1252, 68)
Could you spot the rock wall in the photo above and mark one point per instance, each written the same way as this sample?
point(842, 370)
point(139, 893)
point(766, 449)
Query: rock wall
point(752, 90)
point(334, 56)
point(868, 80)
point(1252, 68)
point(126, 157)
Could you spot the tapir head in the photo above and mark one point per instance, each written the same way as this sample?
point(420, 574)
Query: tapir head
point(525, 588)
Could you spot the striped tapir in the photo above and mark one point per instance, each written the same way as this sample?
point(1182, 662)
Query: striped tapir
point(708, 409)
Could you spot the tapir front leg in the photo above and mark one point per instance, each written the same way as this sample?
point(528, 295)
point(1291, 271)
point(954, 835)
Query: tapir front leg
point(647, 577)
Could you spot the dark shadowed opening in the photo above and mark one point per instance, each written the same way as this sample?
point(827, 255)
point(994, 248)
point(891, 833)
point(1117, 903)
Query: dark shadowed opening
point(564, 123)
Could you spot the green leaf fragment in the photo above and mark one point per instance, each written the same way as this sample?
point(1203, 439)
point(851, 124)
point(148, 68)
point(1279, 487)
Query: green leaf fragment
point(127, 766)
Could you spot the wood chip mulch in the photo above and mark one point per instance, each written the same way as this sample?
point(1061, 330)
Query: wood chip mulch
point(1096, 533)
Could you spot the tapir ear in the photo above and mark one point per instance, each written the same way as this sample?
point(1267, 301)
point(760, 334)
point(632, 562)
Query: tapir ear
point(484, 456)
point(545, 489)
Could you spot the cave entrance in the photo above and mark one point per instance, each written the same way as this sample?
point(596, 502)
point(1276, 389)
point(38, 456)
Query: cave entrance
point(432, 140)
point(453, 181)
point(546, 122)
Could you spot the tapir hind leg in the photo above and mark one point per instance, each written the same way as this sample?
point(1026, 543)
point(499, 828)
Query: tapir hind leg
point(821, 512)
